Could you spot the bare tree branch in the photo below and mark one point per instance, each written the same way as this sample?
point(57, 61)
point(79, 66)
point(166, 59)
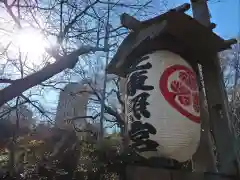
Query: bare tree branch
point(82, 117)
point(21, 85)
point(70, 24)
point(10, 12)
point(38, 108)
point(110, 111)
point(9, 81)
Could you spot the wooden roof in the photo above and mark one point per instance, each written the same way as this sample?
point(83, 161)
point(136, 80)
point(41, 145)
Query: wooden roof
point(176, 31)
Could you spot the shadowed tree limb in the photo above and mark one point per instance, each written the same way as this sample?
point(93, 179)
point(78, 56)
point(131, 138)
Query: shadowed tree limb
point(21, 85)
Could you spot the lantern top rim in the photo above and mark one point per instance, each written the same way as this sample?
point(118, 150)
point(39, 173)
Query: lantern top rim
point(185, 29)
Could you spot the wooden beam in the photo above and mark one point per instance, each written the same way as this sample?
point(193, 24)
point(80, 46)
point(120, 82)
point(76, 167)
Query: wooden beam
point(182, 8)
point(230, 42)
point(130, 22)
point(212, 26)
point(145, 173)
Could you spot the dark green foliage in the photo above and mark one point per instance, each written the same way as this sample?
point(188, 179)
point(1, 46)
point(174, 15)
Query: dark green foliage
point(80, 160)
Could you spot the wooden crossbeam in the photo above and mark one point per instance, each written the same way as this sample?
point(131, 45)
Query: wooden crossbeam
point(145, 173)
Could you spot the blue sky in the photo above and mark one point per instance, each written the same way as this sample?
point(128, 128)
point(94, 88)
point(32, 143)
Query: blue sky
point(225, 14)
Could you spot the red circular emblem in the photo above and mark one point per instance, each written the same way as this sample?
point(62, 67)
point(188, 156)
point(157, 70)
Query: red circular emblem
point(179, 87)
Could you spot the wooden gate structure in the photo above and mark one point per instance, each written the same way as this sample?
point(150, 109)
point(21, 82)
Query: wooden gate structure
point(194, 40)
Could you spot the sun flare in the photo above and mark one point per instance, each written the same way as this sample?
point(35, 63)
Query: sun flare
point(31, 43)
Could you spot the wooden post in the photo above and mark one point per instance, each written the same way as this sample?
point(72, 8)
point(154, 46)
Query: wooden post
point(204, 160)
point(216, 96)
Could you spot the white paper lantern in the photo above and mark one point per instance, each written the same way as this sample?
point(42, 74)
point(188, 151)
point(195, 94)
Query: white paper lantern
point(162, 92)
